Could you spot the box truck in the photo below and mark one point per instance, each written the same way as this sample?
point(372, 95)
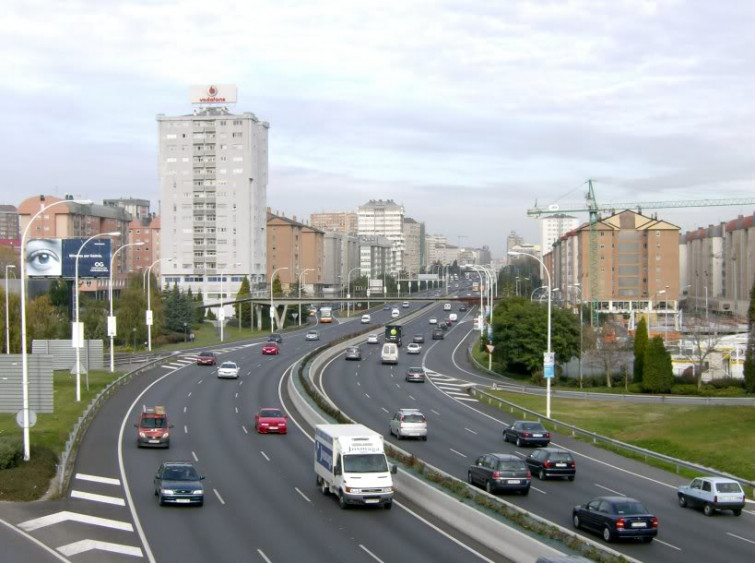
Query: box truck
point(350, 462)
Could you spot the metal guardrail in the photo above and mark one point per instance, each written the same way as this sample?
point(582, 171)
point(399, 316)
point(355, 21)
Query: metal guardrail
point(575, 430)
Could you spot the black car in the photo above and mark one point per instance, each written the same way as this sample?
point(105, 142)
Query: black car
point(353, 353)
point(178, 482)
point(443, 325)
point(500, 472)
point(438, 334)
point(275, 338)
point(551, 462)
point(616, 517)
point(526, 433)
point(418, 338)
point(462, 308)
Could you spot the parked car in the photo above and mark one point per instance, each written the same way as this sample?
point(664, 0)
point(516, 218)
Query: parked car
point(366, 319)
point(551, 462)
point(527, 433)
point(438, 334)
point(270, 348)
point(353, 353)
point(312, 335)
point(419, 338)
point(269, 420)
point(500, 472)
point(712, 494)
point(413, 348)
point(207, 359)
point(178, 482)
point(415, 374)
point(228, 369)
point(372, 339)
point(616, 517)
point(409, 423)
point(274, 337)
point(433, 320)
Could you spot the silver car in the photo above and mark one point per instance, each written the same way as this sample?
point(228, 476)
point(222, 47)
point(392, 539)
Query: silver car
point(409, 423)
point(228, 369)
point(312, 335)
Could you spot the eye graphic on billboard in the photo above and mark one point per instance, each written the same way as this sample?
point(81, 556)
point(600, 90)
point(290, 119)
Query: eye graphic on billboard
point(44, 258)
point(54, 258)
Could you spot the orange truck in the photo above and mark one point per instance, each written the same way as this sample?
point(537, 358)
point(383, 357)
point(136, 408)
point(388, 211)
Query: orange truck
point(152, 429)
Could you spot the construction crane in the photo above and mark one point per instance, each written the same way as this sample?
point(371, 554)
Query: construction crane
point(594, 208)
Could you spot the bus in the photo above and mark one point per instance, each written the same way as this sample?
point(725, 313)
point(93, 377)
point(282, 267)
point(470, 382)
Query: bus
point(326, 314)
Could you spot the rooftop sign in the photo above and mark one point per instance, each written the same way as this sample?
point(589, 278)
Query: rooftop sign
point(212, 94)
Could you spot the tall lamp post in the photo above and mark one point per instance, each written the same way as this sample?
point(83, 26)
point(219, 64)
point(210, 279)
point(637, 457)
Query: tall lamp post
point(77, 334)
point(301, 275)
point(656, 294)
point(272, 304)
point(148, 275)
point(24, 359)
point(7, 311)
point(581, 341)
point(548, 360)
point(111, 324)
point(221, 311)
point(348, 290)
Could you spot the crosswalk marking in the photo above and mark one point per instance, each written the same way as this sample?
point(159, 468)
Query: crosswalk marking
point(65, 516)
point(98, 479)
point(87, 545)
point(98, 498)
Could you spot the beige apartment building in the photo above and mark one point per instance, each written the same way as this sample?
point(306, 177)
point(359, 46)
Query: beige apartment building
point(294, 251)
point(341, 221)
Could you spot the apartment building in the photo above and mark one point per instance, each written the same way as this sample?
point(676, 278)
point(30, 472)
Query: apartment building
point(213, 173)
point(414, 253)
point(378, 218)
point(553, 227)
point(341, 221)
point(295, 251)
point(376, 256)
point(147, 231)
point(9, 228)
point(138, 208)
point(340, 256)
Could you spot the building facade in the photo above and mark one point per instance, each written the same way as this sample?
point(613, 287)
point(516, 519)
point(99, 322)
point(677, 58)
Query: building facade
point(295, 251)
point(340, 255)
point(414, 253)
point(147, 231)
point(378, 218)
point(376, 256)
point(9, 227)
point(213, 173)
point(342, 221)
point(553, 227)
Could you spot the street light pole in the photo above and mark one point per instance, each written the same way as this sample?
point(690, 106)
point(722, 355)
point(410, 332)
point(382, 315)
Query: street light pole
point(77, 335)
point(24, 359)
point(272, 305)
point(548, 360)
point(148, 275)
point(7, 312)
point(300, 282)
point(221, 311)
point(581, 340)
point(111, 324)
point(348, 290)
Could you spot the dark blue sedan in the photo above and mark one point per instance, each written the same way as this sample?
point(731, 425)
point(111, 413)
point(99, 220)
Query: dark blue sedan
point(615, 518)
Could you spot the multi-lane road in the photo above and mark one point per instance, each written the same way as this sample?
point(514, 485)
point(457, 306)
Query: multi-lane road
point(261, 500)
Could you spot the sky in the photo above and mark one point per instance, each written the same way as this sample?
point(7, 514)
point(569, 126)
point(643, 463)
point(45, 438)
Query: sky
point(466, 112)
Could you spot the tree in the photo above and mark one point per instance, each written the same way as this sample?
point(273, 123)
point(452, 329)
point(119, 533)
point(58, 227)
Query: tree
point(93, 313)
point(244, 310)
point(611, 353)
point(749, 366)
point(199, 309)
point(44, 321)
point(60, 293)
point(657, 373)
point(640, 344)
point(14, 320)
point(8, 256)
point(130, 315)
point(699, 344)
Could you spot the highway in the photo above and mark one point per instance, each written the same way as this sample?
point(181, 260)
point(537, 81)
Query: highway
point(460, 429)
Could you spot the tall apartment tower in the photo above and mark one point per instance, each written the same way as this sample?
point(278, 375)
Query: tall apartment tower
point(414, 236)
point(378, 218)
point(554, 227)
point(213, 170)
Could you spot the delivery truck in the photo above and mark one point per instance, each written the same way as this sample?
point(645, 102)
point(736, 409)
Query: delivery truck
point(350, 463)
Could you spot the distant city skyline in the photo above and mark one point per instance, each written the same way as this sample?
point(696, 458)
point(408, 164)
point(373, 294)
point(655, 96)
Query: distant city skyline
point(463, 113)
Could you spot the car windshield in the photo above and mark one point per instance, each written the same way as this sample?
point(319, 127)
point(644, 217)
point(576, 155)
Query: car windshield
point(181, 473)
point(629, 508)
point(560, 456)
point(228, 365)
point(364, 463)
point(511, 465)
point(271, 413)
point(206, 354)
point(414, 418)
point(534, 426)
point(152, 422)
point(728, 488)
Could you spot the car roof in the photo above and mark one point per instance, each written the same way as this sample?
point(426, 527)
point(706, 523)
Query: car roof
point(717, 479)
point(616, 499)
point(178, 463)
point(506, 457)
point(206, 353)
point(410, 410)
point(228, 363)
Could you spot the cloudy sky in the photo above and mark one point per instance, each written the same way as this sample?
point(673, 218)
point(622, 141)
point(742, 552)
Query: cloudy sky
point(465, 111)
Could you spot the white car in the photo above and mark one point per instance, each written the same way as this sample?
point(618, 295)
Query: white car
point(405, 305)
point(433, 321)
point(312, 335)
point(372, 339)
point(413, 348)
point(366, 319)
point(395, 313)
point(447, 307)
point(228, 369)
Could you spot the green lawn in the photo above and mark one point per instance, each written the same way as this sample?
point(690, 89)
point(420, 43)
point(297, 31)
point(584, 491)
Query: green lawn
point(713, 436)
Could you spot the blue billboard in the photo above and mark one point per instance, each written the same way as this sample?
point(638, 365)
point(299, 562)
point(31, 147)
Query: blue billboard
point(94, 259)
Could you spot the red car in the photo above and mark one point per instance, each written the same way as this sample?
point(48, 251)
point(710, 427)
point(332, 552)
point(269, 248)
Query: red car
point(206, 359)
point(270, 420)
point(270, 348)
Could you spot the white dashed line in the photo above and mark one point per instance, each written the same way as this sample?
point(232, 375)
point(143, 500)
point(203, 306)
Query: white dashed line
point(264, 556)
point(184, 410)
point(186, 429)
point(412, 398)
point(189, 395)
point(610, 490)
point(469, 430)
point(236, 409)
point(434, 411)
point(375, 557)
point(195, 456)
point(366, 395)
point(385, 410)
point(302, 494)
point(98, 479)
point(739, 537)
point(538, 490)
point(244, 429)
point(669, 545)
point(457, 453)
point(237, 395)
point(264, 455)
point(200, 382)
point(217, 494)
point(98, 498)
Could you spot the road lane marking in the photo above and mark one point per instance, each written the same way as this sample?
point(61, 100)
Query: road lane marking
point(217, 494)
point(195, 457)
point(470, 430)
point(244, 429)
point(35, 541)
point(375, 557)
point(457, 453)
point(397, 385)
point(302, 494)
point(610, 490)
point(87, 545)
point(189, 395)
point(538, 490)
point(236, 409)
point(237, 395)
point(186, 429)
point(66, 516)
point(739, 537)
point(263, 556)
point(241, 382)
point(434, 411)
point(359, 384)
point(668, 544)
point(184, 410)
point(385, 410)
point(98, 479)
point(412, 398)
point(264, 455)
point(200, 382)
point(98, 498)
point(366, 395)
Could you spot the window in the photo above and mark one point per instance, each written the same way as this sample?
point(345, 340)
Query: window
point(237, 135)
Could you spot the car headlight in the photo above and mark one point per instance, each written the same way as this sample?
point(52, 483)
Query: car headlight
point(168, 491)
point(197, 492)
point(166, 434)
point(352, 490)
point(142, 434)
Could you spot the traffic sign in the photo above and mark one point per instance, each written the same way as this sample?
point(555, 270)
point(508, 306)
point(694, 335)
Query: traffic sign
point(20, 418)
point(490, 348)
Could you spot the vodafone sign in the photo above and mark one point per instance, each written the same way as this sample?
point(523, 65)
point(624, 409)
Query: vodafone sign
point(213, 94)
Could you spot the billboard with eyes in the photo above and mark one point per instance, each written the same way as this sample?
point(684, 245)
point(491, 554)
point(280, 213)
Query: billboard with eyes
point(55, 258)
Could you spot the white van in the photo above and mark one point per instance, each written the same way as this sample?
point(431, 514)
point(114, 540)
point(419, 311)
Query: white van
point(389, 354)
point(453, 317)
point(447, 307)
point(366, 319)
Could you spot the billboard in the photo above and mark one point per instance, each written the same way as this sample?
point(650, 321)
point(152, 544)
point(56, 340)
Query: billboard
point(55, 258)
point(376, 284)
point(212, 94)
point(427, 277)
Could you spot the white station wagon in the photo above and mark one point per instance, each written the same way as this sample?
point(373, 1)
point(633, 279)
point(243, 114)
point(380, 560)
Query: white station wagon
point(712, 493)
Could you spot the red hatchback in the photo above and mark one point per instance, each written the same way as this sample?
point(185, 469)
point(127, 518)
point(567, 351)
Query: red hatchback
point(270, 348)
point(206, 359)
point(270, 420)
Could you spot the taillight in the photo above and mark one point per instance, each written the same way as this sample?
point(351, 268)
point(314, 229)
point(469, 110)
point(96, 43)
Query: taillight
point(547, 434)
point(573, 465)
point(715, 499)
point(547, 463)
point(526, 434)
point(655, 522)
point(529, 475)
point(620, 524)
point(496, 474)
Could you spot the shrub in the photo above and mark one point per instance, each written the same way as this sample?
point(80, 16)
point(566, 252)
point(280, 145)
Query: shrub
point(11, 452)
point(725, 382)
point(685, 389)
